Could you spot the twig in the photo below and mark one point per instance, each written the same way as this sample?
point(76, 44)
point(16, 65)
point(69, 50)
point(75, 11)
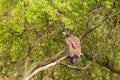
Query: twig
point(77, 67)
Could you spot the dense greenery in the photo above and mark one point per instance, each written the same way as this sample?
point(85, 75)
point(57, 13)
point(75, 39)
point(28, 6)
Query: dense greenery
point(31, 29)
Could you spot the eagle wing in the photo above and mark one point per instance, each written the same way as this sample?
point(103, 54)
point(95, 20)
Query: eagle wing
point(78, 47)
point(75, 45)
point(69, 48)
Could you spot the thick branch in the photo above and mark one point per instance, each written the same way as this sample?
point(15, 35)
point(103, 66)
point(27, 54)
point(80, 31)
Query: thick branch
point(43, 63)
point(44, 68)
point(105, 62)
point(89, 30)
point(113, 69)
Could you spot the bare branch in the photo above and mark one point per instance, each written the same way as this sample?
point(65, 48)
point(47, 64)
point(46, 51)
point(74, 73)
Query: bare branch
point(44, 68)
point(77, 67)
point(89, 30)
point(43, 63)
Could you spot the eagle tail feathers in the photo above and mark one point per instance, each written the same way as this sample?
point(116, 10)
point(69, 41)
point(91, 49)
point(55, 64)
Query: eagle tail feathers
point(74, 59)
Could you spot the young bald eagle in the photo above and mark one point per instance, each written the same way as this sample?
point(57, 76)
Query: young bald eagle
point(72, 47)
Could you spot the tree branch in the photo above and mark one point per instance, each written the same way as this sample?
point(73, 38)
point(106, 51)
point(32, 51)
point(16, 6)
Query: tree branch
point(28, 36)
point(104, 62)
point(47, 61)
point(44, 68)
point(77, 67)
point(89, 30)
point(43, 63)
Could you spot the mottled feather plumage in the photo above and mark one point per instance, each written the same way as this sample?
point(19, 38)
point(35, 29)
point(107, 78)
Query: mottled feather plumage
point(72, 47)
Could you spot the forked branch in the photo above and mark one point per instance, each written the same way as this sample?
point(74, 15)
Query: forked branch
point(44, 68)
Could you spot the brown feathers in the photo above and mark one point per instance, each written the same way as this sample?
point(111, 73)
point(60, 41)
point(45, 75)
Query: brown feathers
point(72, 47)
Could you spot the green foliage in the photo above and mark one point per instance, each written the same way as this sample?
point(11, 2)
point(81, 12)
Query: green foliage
point(23, 22)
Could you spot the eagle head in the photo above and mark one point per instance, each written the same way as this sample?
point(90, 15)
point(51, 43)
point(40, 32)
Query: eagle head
point(66, 34)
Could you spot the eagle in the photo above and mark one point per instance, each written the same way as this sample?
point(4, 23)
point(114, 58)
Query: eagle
point(72, 47)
